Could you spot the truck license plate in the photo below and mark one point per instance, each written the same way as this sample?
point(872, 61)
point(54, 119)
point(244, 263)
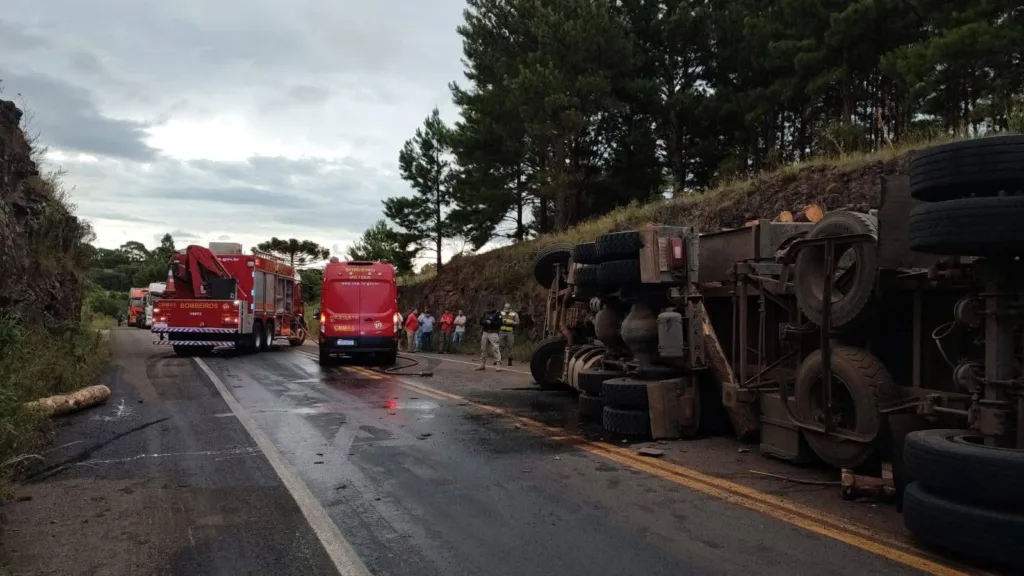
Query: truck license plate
point(346, 342)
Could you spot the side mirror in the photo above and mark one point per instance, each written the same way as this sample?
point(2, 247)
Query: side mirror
point(316, 312)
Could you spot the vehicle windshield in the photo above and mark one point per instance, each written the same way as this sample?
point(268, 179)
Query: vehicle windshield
point(136, 302)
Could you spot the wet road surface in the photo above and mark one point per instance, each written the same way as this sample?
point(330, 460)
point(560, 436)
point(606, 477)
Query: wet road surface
point(416, 484)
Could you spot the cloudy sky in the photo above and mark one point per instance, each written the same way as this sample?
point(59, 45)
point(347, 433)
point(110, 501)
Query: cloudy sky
point(229, 119)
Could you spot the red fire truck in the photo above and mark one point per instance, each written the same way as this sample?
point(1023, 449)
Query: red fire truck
point(220, 297)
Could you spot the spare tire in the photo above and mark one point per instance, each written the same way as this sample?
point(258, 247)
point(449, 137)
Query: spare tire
point(978, 533)
point(590, 381)
point(626, 422)
point(980, 167)
point(619, 245)
point(625, 393)
point(618, 273)
point(859, 379)
point(969, 227)
point(585, 276)
point(585, 253)
point(545, 363)
point(544, 263)
point(956, 464)
point(855, 286)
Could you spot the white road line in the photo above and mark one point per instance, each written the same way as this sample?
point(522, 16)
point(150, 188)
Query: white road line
point(337, 547)
point(489, 366)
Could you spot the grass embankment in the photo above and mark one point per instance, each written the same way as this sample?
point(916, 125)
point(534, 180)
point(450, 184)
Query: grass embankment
point(35, 364)
point(836, 182)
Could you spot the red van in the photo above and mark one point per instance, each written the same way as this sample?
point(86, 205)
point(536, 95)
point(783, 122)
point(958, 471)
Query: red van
point(358, 301)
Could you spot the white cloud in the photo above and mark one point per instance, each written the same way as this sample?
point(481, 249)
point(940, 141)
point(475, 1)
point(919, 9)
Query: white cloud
point(240, 118)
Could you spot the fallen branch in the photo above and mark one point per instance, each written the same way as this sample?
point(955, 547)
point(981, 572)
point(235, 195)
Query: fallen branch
point(797, 480)
point(67, 403)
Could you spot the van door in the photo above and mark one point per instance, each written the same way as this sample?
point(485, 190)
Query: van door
point(341, 308)
point(377, 308)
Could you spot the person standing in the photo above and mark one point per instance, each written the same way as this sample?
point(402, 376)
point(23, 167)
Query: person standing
point(412, 326)
point(445, 345)
point(460, 329)
point(399, 325)
point(490, 322)
point(426, 331)
point(509, 322)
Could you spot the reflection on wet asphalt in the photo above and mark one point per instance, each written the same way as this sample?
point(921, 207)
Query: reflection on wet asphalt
point(423, 485)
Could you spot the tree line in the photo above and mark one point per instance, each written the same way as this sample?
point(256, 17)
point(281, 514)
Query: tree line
point(571, 108)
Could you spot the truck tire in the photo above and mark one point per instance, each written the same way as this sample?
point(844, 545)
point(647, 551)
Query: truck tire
point(619, 246)
point(544, 263)
point(969, 227)
point(856, 286)
point(616, 273)
point(257, 337)
point(626, 422)
point(585, 253)
point(982, 167)
point(955, 464)
point(979, 533)
point(549, 350)
point(591, 381)
point(591, 407)
point(864, 379)
point(625, 393)
point(268, 336)
point(586, 276)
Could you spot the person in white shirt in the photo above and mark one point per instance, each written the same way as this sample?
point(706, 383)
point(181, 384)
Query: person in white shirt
point(460, 328)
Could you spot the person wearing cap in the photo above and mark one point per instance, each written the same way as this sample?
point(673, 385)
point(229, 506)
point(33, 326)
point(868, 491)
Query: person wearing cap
point(509, 321)
point(490, 324)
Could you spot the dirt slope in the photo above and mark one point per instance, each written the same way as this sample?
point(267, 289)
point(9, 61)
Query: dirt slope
point(40, 238)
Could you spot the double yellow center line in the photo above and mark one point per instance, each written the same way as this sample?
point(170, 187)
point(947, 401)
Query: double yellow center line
point(792, 513)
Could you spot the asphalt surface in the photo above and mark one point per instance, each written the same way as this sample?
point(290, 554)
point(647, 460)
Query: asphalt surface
point(417, 485)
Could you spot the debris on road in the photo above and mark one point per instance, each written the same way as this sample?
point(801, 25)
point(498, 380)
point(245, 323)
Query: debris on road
point(67, 403)
point(652, 452)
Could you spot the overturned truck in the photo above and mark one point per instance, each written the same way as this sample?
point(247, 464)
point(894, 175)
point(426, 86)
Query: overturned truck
point(886, 340)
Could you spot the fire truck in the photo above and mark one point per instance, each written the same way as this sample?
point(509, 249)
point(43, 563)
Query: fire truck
point(137, 307)
point(220, 297)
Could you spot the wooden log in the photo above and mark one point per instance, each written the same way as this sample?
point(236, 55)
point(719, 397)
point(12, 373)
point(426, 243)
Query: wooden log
point(784, 216)
point(810, 213)
point(72, 402)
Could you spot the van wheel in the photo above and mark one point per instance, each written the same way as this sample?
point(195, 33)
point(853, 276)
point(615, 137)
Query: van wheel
point(390, 358)
point(257, 337)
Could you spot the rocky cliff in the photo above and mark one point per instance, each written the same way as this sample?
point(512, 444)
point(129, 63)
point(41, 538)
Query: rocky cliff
point(43, 251)
point(507, 273)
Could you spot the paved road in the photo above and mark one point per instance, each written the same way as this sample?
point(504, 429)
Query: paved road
point(414, 484)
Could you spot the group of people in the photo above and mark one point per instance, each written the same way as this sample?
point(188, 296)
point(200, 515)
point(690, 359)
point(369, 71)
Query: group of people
point(419, 330)
point(497, 332)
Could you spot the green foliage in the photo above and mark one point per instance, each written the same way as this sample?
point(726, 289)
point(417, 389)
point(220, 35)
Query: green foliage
point(426, 163)
point(311, 280)
point(36, 364)
point(573, 108)
point(296, 252)
point(112, 273)
point(383, 244)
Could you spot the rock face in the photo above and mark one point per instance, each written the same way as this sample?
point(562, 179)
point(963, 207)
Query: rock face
point(507, 273)
point(43, 245)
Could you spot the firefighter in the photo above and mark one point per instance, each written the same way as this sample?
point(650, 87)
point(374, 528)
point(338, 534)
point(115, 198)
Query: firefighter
point(490, 324)
point(509, 322)
point(120, 318)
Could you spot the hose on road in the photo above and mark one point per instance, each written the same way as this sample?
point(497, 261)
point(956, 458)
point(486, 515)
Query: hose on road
point(425, 373)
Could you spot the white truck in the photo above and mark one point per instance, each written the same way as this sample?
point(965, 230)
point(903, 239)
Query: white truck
point(156, 292)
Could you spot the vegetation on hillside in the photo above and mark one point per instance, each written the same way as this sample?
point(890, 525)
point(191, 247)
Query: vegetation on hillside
point(571, 109)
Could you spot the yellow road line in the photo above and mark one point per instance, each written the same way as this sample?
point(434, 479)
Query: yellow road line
point(809, 519)
point(358, 370)
point(804, 517)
